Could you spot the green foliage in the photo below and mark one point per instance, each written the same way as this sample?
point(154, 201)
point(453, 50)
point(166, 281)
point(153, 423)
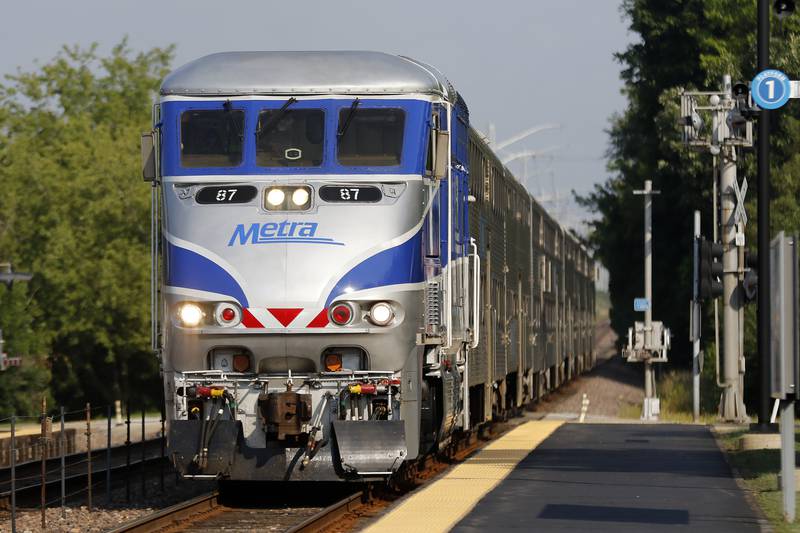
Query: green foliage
point(75, 213)
point(685, 44)
point(22, 388)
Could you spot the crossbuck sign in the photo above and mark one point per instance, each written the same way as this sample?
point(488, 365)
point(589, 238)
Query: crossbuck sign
point(739, 213)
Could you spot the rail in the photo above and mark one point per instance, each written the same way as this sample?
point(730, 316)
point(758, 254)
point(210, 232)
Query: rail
point(171, 516)
point(181, 516)
point(329, 515)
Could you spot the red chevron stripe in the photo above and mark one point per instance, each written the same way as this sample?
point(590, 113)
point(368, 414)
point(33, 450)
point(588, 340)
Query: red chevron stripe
point(249, 320)
point(285, 316)
point(320, 321)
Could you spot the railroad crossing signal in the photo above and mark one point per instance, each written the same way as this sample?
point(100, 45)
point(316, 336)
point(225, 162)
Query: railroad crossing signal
point(710, 269)
point(750, 282)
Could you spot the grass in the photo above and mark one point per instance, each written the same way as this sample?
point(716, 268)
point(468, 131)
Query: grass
point(758, 469)
point(674, 389)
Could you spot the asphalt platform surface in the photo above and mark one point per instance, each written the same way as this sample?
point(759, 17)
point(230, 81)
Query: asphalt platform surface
point(618, 477)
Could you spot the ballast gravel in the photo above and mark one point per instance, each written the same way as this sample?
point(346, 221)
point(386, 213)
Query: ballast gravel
point(105, 517)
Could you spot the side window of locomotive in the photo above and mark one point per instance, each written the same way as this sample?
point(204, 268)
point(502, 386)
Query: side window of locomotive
point(429, 155)
point(370, 137)
point(211, 138)
point(292, 138)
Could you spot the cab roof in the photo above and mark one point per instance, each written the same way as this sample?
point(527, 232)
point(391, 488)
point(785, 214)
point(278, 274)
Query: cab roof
point(310, 73)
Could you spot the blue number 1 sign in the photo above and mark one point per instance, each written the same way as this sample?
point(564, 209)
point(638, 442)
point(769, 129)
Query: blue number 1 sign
point(770, 89)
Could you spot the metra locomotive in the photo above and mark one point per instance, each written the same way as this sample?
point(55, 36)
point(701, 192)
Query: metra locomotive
point(345, 275)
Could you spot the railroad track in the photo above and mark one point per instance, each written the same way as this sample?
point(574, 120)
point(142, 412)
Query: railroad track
point(216, 511)
point(209, 513)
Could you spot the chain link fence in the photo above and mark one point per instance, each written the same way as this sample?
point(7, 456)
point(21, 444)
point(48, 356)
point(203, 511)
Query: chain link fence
point(72, 455)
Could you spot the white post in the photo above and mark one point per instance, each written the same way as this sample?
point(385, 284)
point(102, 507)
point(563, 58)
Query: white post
point(787, 459)
point(695, 325)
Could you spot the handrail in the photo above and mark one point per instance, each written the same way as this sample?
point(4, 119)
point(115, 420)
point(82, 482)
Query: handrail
point(476, 294)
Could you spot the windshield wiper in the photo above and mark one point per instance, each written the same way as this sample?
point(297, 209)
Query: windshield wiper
point(349, 118)
point(273, 121)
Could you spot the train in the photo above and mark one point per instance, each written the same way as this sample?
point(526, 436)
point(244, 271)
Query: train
point(345, 275)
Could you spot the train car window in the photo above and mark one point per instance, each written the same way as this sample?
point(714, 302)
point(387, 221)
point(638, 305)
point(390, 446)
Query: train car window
point(431, 137)
point(370, 137)
point(290, 138)
point(211, 138)
point(429, 156)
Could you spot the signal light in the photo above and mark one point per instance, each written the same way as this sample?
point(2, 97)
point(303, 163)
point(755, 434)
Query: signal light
point(241, 362)
point(227, 314)
point(333, 362)
point(711, 269)
point(750, 282)
point(783, 8)
point(341, 314)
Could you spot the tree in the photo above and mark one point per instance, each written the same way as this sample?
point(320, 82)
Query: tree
point(683, 44)
point(22, 388)
point(75, 213)
point(666, 57)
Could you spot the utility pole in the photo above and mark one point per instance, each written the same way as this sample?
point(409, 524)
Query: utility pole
point(648, 341)
point(730, 130)
point(649, 376)
point(762, 154)
point(731, 406)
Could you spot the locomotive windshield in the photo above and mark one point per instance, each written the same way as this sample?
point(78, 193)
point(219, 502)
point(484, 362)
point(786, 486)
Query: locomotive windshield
point(211, 138)
point(372, 137)
point(290, 138)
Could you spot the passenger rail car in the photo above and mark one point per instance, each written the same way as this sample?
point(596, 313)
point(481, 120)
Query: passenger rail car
point(345, 275)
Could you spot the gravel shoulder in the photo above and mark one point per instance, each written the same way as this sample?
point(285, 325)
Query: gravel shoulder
point(611, 386)
point(104, 516)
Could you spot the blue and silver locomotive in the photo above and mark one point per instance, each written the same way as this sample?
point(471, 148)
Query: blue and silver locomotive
point(345, 275)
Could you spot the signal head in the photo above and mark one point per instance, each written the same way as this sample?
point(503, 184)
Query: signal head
point(740, 89)
point(783, 8)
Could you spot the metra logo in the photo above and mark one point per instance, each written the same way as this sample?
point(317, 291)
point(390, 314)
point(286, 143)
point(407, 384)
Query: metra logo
point(279, 232)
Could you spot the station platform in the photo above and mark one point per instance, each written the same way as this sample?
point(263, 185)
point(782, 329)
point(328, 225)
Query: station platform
point(549, 475)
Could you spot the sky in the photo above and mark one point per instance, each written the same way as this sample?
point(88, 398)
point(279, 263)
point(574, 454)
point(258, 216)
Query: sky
point(517, 63)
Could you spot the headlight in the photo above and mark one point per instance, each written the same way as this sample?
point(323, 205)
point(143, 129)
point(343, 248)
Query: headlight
point(275, 197)
point(288, 198)
point(381, 314)
point(300, 197)
point(190, 315)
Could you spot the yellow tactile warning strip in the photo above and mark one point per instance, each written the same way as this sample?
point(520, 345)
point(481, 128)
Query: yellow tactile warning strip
point(440, 505)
